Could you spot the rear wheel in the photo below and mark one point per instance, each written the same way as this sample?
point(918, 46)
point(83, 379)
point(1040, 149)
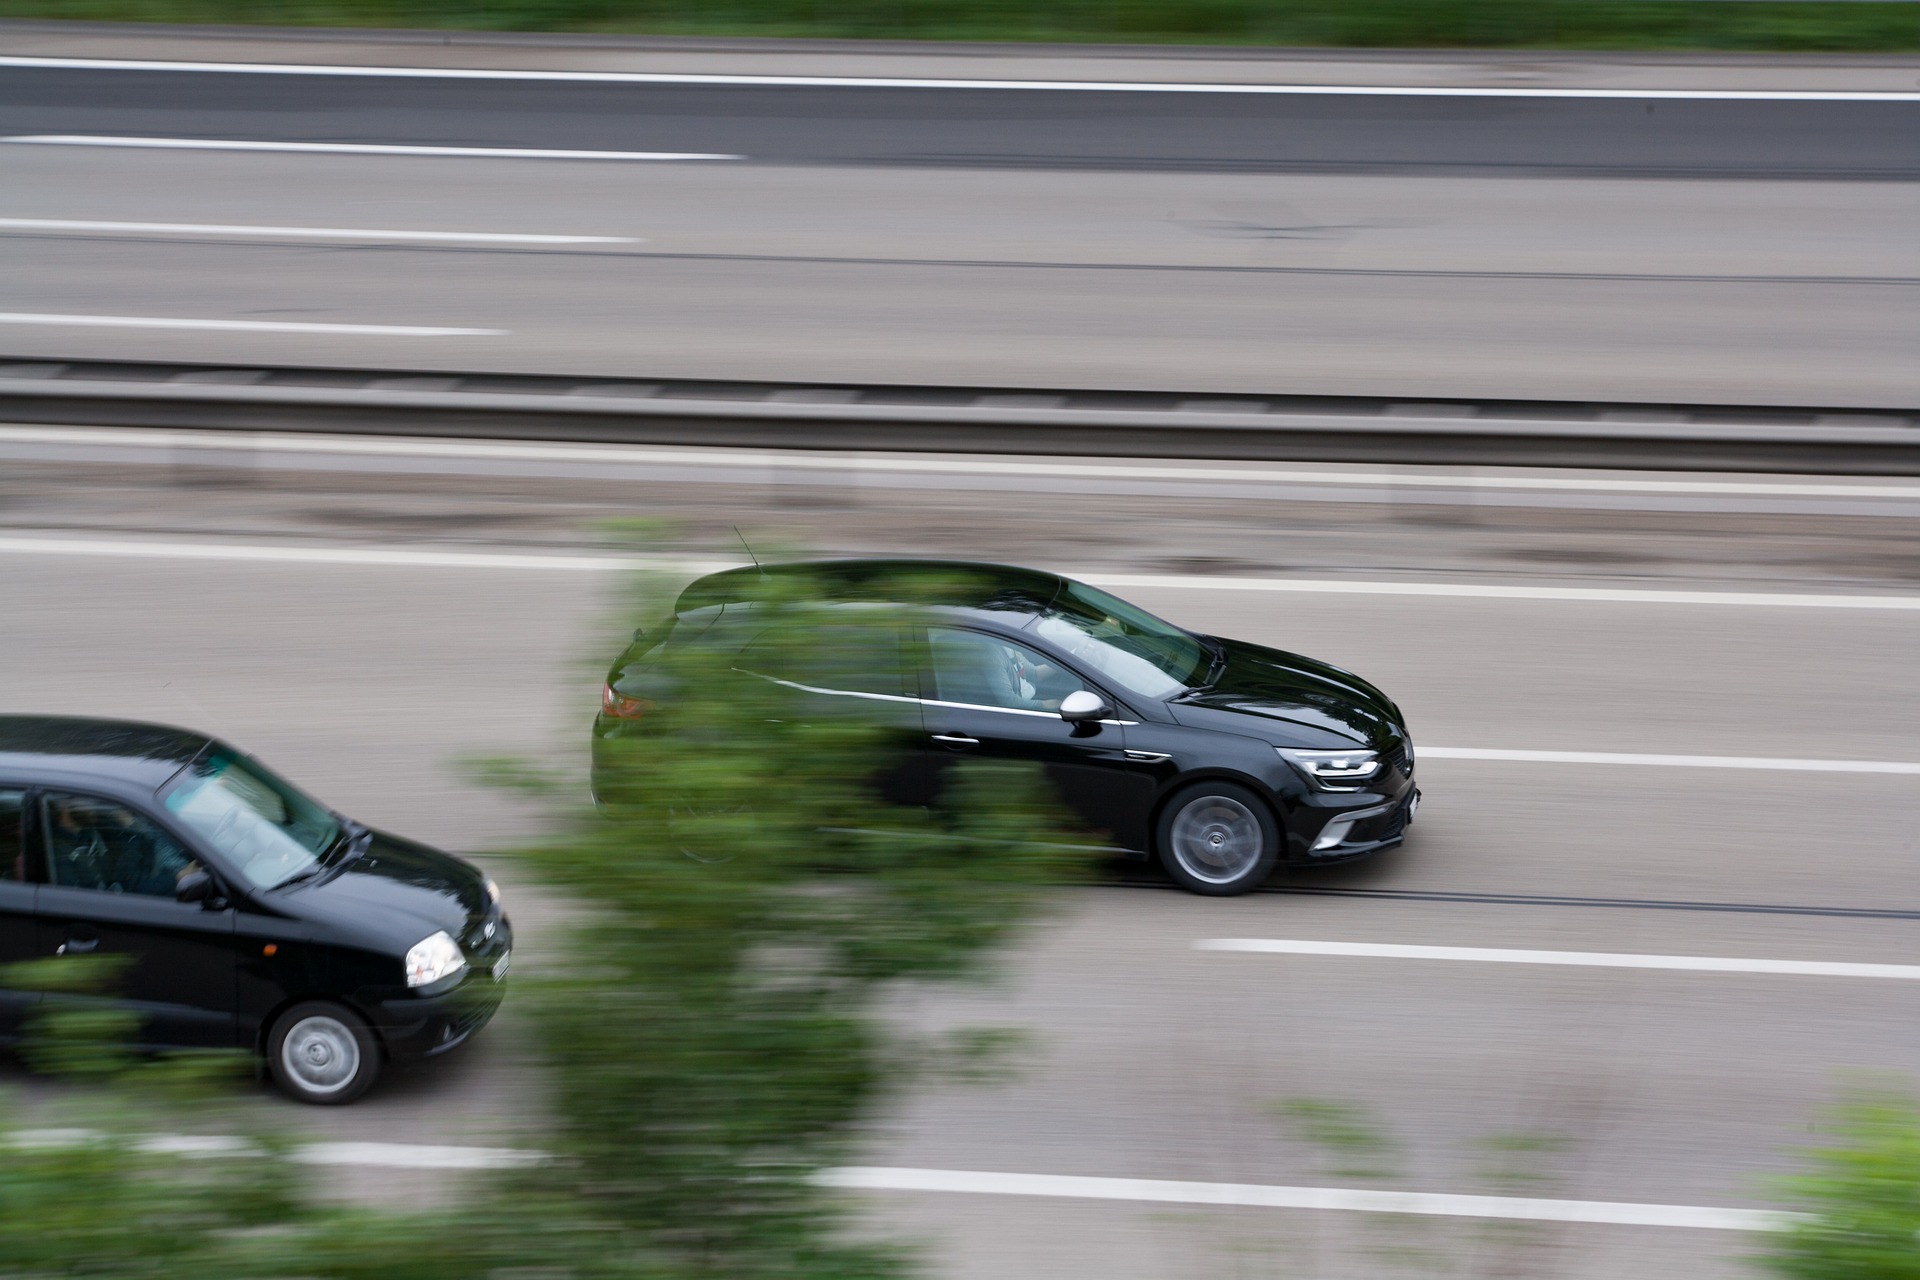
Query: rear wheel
point(322, 1053)
point(1218, 838)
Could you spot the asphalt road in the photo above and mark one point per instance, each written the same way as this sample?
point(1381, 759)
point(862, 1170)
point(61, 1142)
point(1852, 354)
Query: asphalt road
point(866, 126)
point(1151, 1059)
point(1738, 251)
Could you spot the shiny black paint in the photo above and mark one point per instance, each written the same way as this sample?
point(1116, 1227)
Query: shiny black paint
point(1116, 774)
point(201, 974)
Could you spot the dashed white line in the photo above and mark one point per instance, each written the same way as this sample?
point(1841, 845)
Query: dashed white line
point(270, 553)
point(932, 82)
point(242, 326)
point(1670, 761)
point(303, 233)
point(404, 1155)
point(351, 148)
point(1577, 959)
point(1261, 1196)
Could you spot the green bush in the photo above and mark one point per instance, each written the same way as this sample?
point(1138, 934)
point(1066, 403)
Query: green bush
point(1596, 24)
point(1861, 1201)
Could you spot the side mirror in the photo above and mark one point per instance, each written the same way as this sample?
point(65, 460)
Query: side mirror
point(1082, 707)
point(195, 886)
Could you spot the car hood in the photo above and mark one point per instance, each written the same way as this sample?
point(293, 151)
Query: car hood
point(395, 893)
point(1291, 700)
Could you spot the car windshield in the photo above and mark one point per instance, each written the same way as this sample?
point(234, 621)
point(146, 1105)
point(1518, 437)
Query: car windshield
point(261, 826)
point(1129, 646)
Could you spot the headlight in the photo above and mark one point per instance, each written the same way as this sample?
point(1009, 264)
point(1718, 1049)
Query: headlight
point(1334, 770)
point(432, 958)
point(493, 893)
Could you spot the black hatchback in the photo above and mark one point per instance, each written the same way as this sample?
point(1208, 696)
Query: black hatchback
point(250, 916)
point(1221, 758)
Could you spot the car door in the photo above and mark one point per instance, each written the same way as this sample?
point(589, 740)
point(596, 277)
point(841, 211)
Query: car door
point(853, 666)
point(990, 697)
point(17, 892)
point(109, 891)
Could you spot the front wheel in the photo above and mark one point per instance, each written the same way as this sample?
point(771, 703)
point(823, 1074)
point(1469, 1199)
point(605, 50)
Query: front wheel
point(323, 1054)
point(1218, 838)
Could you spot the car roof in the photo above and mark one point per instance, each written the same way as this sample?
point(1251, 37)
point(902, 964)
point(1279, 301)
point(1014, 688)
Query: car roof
point(126, 750)
point(948, 585)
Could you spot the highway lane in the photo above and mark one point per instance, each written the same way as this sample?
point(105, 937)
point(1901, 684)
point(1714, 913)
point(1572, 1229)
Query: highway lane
point(1763, 292)
point(991, 128)
point(1152, 1059)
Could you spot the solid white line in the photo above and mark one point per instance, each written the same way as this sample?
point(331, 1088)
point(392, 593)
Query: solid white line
point(617, 563)
point(243, 326)
point(735, 458)
point(353, 148)
point(308, 233)
point(1259, 1196)
point(930, 82)
point(1580, 959)
point(1617, 595)
point(1670, 762)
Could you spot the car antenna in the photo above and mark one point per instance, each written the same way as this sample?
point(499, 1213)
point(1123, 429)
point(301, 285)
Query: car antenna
point(750, 555)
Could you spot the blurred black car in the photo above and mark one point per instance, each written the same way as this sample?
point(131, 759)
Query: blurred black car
point(1223, 759)
point(250, 915)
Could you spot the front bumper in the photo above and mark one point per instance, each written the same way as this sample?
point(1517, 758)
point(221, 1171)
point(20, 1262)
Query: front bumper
point(1372, 823)
point(429, 1021)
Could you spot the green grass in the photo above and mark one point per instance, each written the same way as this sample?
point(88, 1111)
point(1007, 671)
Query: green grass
point(1775, 25)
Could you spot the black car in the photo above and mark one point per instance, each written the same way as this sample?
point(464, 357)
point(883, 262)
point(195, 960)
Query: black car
point(252, 916)
point(1221, 758)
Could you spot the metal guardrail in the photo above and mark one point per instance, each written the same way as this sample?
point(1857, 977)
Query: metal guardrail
point(961, 419)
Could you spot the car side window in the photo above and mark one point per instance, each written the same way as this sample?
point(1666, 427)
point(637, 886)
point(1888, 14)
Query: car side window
point(100, 844)
point(855, 657)
point(989, 671)
point(13, 847)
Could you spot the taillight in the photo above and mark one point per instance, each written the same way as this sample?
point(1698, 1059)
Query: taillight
point(621, 707)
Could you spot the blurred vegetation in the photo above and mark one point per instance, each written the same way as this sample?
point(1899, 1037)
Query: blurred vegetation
point(1861, 1198)
point(715, 1030)
point(1567, 24)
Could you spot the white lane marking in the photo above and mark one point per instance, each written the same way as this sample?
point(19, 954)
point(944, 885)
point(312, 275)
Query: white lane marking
point(931, 82)
point(403, 1155)
point(640, 455)
point(1670, 762)
point(1578, 959)
point(243, 326)
point(1260, 1196)
point(1616, 595)
point(617, 563)
point(150, 550)
point(391, 1155)
point(352, 148)
point(305, 233)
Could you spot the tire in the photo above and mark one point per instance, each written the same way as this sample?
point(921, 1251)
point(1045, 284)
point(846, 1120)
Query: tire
point(1218, 838)
point(322, 1054)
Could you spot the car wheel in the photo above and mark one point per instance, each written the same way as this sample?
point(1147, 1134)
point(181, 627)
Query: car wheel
point(1218, 838)
point(323, 1054)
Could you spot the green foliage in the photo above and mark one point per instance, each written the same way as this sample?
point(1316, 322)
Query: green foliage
point(750, 898)
point(712, 1022)
point(1342, 1130)
point(1598, 24)
point(1861, 1200)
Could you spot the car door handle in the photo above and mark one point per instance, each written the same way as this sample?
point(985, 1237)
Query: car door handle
point(956, 739)
point(76, 946)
